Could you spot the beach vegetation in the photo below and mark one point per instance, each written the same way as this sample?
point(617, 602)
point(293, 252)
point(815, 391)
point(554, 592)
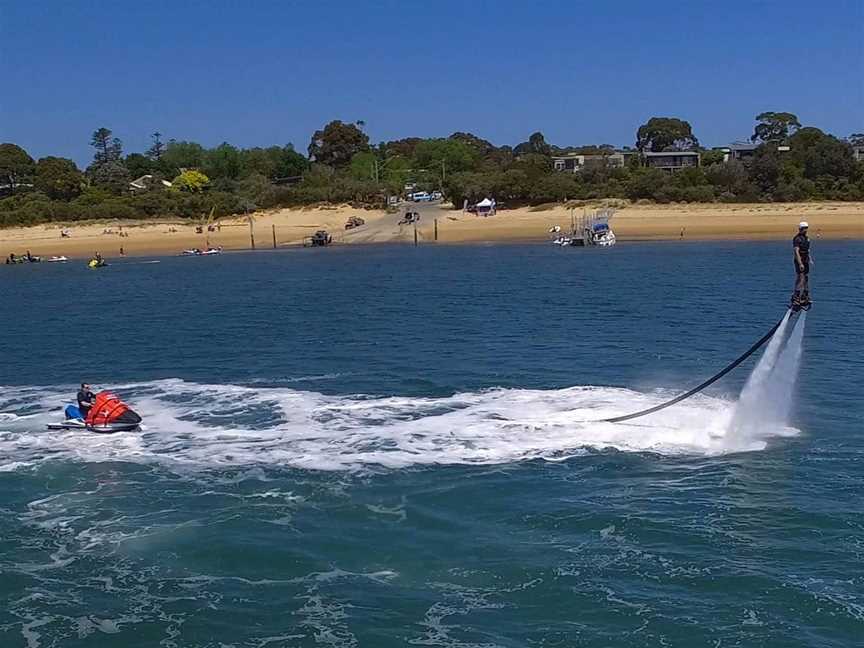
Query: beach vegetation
point(108, 148)
point(190, 181)
point(666, 134)
point(59, 178)
point(775, 127)
point(337, 143)
point(790, 162)
point(16, 167)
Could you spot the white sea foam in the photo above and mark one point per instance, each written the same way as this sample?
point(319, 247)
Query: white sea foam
point(765, 403)
point(197, 425)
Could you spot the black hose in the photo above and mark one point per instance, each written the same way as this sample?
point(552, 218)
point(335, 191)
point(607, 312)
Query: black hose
point(697, 389)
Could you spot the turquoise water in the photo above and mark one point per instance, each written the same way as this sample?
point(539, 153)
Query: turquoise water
point(394, 446)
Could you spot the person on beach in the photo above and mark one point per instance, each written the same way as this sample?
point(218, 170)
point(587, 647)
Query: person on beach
point(801, 254)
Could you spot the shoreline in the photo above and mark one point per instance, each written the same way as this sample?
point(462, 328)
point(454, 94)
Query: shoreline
point(632, 223)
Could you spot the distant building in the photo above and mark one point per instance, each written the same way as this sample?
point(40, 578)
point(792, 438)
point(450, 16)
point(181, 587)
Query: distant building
point(858, 153)
point(743, 151)
point(143, 183)
point(574, 162)
point(672, 160)
point(8, 189)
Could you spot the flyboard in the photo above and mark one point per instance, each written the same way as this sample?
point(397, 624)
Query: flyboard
point(795, 307)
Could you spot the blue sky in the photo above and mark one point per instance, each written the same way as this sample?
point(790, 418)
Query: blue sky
point(262, 73)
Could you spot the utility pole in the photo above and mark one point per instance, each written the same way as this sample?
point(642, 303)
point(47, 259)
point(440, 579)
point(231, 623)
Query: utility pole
point(251, 228)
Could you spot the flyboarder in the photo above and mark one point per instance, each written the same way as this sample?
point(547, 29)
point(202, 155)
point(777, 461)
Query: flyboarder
point(801, 255)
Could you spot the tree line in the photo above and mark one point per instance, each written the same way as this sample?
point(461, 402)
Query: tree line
point(177, 178)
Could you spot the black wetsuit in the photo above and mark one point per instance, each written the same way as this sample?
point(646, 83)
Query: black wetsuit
point(85, 396)
point(802, 272)
point(803, 244)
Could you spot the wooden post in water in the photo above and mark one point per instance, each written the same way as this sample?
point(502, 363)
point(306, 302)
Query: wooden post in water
point(415, 233)
point(251, 234)
point(274, 236)
point(436, 229)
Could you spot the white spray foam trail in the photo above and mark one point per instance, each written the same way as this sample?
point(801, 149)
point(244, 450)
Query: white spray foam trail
point(766, 401)
point(201, 426)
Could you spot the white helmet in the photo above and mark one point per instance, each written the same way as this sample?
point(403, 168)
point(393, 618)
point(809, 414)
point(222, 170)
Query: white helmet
point(803, 225)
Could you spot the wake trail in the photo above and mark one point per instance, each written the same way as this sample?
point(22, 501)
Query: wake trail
point(765, 402)
point(202, 426)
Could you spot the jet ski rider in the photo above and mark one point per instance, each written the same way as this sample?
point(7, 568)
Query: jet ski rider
point(85, 399)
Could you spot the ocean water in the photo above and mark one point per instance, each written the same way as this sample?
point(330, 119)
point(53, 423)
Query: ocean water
point(390, 446)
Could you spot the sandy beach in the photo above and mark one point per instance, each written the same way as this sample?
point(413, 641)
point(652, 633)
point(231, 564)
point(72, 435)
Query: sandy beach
point(633, 222)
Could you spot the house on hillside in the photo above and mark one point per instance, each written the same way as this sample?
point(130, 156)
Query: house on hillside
point(671, 161)
point(858, 153)
point(743, 151)
point(575, 162)
point(144, 182)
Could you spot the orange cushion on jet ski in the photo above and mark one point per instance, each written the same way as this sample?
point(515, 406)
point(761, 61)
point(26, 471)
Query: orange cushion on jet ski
point(106, 409)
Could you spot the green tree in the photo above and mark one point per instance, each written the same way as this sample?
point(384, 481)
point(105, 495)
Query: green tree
point(364, 165)
point(482, 146)
point(819, 155)
point(443, 156)
point(766, 169)
point(158, 148)
point(535, 145)
point(111, 176)
point(731, 178)
point(260, 161)
point(337, 143)
point(58, 178)
point(775, 127)
point(190, 181)
point(291, 164)
point(139, 165)
point(403, 147)
point(712, 156)
point(108, 148)
point(665, 133)
point(181, 155)
point(223, 162)
point(16, 166)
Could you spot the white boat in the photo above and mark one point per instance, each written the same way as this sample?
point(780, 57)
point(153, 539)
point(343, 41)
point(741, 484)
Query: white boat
point(600, 234)
point(58, 259)
point(606, 239)
point(197, 252)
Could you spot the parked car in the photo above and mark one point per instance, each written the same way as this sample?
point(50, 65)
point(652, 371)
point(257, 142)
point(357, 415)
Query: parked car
point(409, 217)
point(321, 238)
point(437, 195)
point(420, 196)
point(354, 221)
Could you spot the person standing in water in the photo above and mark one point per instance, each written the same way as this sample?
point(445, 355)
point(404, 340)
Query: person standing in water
point(801, 255)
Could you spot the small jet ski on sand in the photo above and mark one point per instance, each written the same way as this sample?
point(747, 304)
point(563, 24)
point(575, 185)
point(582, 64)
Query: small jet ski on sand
point(109, 414)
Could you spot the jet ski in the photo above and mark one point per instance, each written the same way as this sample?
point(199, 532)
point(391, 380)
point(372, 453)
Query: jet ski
point(109, 414)
point(97, 263)
point(198, 252)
